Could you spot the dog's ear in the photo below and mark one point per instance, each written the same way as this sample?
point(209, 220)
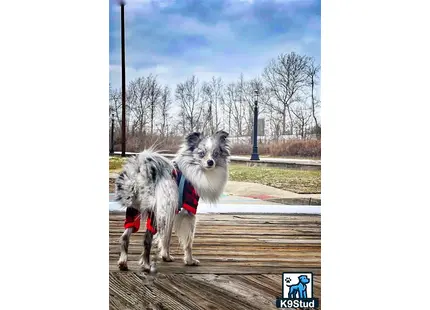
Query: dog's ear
point(221, 135)
point(193, 140)
point(224, 143)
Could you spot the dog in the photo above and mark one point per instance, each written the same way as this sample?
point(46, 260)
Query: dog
point(148, 187)
point(299, 288)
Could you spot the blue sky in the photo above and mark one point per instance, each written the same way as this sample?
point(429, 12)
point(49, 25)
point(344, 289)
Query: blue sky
point(177, 38)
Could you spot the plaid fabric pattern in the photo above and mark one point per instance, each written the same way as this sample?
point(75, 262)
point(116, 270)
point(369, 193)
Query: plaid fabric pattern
point(190, 196)
point(189, 203)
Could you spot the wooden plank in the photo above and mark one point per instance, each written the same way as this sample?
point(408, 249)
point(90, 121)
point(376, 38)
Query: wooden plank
point(244, 230)
point(212, 297)
point(194, 291)
point(249, 252)
point(229, 223)
point(241, 268)
point(248, 218)
point(217, 269)
point(138, 295)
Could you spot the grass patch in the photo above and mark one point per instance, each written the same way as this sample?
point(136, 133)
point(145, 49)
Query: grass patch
point(116, 163)
point(298, 181)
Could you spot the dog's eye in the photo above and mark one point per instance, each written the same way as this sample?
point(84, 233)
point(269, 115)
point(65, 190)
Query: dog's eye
point(201, 153)
point(215, 154)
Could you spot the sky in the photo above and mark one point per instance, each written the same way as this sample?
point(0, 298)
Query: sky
point(175, 39)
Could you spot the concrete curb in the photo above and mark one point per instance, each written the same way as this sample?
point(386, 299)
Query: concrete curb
point(296, 201)
point(266, 162)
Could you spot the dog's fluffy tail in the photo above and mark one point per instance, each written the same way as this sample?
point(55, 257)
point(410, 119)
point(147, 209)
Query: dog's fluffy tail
point(126, 188)
point(135, 185)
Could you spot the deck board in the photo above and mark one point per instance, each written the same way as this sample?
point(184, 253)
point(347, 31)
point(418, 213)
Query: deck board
point(242, 259)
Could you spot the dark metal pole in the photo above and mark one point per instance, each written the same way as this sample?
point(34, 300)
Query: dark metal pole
point(122, 3)
point(254, 155)
point(111, 134)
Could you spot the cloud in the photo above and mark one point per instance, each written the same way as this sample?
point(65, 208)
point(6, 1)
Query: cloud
point(176, 39)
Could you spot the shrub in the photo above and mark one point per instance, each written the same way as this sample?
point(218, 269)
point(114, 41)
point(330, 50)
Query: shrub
point(284, 148)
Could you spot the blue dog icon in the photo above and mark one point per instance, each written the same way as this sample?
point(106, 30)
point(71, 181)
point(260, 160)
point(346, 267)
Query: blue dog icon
point(299, 288)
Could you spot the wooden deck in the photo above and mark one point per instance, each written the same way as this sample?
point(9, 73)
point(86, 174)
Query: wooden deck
point(242, 259)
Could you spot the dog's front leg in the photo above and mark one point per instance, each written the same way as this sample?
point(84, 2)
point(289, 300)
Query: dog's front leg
point(124, 241)
point(185, 228)
point(189, 259)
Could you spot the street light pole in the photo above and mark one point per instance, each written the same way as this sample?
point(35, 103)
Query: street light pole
point(122, 3)
point(111, 134)
point(254, 155)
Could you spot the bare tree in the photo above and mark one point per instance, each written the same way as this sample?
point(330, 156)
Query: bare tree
point(213, 97)
point(248, 100)
point(115, 106)
point(275, 124)
point(138, 102)
point(223, 117)
point(165, 107)
point(303, 115)
point(143, 94)
point(312, 73)
point(217, 90)
point(207, 100)
point(188, 95)
point(229, 98)
point(286, 76)
point(154, 94)
point(240, 105)
point(236, 105)
point(257, 84)
point(287, 98)
point(253, 85)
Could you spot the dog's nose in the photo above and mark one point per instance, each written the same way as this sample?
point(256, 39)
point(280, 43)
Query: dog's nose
point(210, 162)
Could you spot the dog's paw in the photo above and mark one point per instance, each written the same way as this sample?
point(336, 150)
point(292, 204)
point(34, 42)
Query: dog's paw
point(149, 269)
point(192, 262)
point(146, 267)
point(122, 265)
point(122, 262)
point(153, 268)
point(168, 258)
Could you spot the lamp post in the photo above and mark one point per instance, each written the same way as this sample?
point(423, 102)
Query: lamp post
point(122, 4)
point(254, 155)
point(111, 134)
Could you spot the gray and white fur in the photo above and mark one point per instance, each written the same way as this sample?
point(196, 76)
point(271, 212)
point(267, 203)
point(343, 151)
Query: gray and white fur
point(146, 184)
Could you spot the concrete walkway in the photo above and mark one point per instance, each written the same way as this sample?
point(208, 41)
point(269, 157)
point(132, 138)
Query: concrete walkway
point(266, 193)
point(263, 160)
point(280, 160)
